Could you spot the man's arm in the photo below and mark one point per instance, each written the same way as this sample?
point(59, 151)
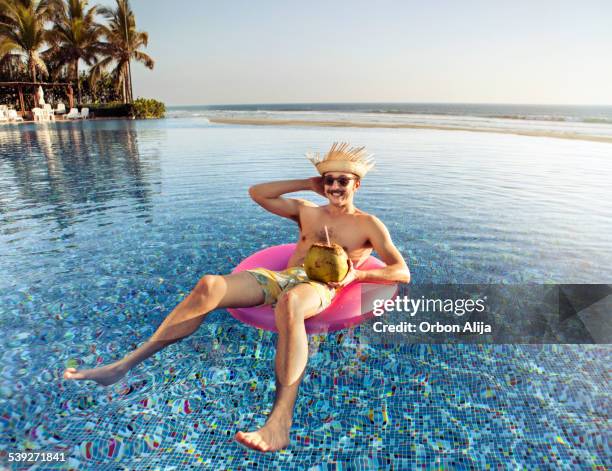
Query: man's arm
point(268, 196)
point(396, 269)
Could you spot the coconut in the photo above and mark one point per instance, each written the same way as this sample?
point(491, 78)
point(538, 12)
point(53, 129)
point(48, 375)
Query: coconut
point(326, 263)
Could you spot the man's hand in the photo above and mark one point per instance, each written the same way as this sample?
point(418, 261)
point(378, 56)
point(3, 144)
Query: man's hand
point(316, 185)
point(351, 276)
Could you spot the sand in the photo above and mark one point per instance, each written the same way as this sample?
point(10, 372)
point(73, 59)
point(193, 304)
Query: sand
point(298, 122)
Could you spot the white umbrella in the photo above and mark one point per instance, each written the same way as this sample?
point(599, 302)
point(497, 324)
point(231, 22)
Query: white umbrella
point(41, 96)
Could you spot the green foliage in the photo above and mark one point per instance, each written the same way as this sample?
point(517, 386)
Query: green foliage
point(71, 34)
point(75, 37)
point(111, 110)
point(123, 44)
point(145, 108)
point(23, 34)
point(101, 89)
point(12, 69)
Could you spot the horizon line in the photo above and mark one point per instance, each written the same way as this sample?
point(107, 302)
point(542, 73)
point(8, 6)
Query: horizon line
point(391, 103)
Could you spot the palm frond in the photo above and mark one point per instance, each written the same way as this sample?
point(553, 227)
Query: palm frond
point(148, 62)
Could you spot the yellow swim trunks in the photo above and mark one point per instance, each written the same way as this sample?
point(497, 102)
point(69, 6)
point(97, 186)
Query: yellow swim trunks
point(274, 283)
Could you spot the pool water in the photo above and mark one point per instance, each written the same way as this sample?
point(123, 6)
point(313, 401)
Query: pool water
point(106, 225)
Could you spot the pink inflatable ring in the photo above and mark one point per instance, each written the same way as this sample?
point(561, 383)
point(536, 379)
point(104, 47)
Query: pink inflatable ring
point(351, 306)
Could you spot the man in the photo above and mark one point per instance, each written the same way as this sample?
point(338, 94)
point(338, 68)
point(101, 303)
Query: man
point(295, 297)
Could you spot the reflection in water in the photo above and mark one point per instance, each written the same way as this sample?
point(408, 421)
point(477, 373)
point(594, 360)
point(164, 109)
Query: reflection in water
point(63, 171)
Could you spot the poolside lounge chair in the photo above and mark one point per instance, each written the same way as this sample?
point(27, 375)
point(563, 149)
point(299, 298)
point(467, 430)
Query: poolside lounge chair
point(84, 113)
point(13, 116)
point(61, 108)
point(73, 114)
point(38, 114)
point(48, 111)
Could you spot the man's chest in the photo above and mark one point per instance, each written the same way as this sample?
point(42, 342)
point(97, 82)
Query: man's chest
point(345, 231)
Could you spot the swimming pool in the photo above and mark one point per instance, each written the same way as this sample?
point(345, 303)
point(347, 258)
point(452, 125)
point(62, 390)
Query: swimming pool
point(106, 225)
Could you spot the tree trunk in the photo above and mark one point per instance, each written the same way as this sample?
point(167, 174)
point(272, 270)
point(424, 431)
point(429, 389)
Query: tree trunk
point(76, 74)
point(21, 100)
point(70, 97)
point(33, 69)
point(125, 92)
point(130, 77)
point(33, 72)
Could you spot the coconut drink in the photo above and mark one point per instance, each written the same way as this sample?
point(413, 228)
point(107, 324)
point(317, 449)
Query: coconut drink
point(326, 263)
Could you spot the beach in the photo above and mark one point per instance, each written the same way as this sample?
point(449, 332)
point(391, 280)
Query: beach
point(589, 123)
point(358, 124)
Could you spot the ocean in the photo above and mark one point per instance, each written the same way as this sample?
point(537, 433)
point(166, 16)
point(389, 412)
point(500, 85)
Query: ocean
point(568, 121)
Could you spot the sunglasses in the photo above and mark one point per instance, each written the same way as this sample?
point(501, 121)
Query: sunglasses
point(342, 181)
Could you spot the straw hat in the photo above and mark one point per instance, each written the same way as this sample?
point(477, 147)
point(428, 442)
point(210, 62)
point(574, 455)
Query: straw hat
point(342, 158)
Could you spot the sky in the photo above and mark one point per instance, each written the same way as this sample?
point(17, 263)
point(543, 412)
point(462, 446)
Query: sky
point(467, 51)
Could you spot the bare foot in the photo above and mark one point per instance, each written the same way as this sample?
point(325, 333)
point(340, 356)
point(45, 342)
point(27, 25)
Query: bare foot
point(105, 375)
point(271, 437)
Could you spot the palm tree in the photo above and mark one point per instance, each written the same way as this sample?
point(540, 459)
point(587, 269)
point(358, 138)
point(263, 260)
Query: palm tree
point(74, 37)
point(122, 45)
point(23, 33)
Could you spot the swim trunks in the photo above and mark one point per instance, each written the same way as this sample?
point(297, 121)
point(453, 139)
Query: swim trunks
point(275, 283)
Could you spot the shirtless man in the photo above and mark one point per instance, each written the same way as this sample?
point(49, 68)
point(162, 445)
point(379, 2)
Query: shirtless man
point(296, 298)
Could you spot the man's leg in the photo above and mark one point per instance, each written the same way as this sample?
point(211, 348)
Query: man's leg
point(292, 308)
point(211, 292)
